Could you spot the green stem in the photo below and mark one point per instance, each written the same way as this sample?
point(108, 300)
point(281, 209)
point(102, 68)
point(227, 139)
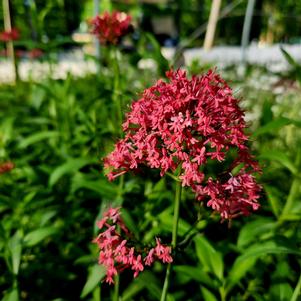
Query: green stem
point(174, 237)
point(297, 290)
point(293, 190)
point(116, 288)
point(117, 91)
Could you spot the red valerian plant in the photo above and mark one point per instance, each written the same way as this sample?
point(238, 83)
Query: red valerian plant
point(182, 125)
point(109, 28)
point(117, 251)
point(10, 35)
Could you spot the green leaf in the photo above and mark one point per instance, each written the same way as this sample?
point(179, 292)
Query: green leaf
point(252, 231)
point(277, 246)
point(148, 281)
point(281, 292)
point(209, 257)
point(132, 290)
point(281, 157)
point(238, 271)
point(273, 197)
point(194, 273)
point(36, 236)
point(72, 165)
point(275, 125)
point(290, 59)
point(12, 295)
point(96, 274)
point(245, 261)
point(15, 247)
point(208, 296)
point(48, 215)
point(166, 221)
point(34, 138)
point(101, 186)
point(132, 226)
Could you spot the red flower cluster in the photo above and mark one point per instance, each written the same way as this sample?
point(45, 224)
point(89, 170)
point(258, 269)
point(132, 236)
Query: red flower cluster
point(117, 253)
point(11, 35)
point(109, 28)
point(186, 123)
point(6, 167)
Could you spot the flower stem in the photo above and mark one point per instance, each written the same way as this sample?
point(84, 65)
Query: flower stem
point(174, 237)
point(297, 290)
point(117, 91)
point(116, 288)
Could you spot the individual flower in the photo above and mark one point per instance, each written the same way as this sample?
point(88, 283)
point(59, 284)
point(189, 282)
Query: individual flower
point(6, 167)
point(184, 124)
point(10, 35)
point(117, 248)
point(109, 28)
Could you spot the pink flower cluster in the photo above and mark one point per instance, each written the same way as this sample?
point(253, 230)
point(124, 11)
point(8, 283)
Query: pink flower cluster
point(11, 35)
point(183, 124)
point(109, 28)
point(116, 247)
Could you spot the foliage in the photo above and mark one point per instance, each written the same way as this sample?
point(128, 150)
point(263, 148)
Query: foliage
point(56, 132)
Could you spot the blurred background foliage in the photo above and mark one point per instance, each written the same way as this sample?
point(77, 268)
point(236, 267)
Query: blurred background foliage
point(276, 20)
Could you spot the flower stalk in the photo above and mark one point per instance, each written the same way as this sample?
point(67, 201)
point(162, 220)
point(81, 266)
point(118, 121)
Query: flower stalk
point(174, 237)
point(117, 89)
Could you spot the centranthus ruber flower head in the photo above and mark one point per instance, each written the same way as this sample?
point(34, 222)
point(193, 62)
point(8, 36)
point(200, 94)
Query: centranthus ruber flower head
point(117, 247)
point(183, 124)
point(109, 28)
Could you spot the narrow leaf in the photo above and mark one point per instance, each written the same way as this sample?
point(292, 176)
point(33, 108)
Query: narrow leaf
point(282, 158)
point(208, 296)
point(15, 247)
point(12, 295)
point(71, 166)
point(252, 231)
point(37, 138)
point(209, 257)
point(96, 274)
point(36, 236)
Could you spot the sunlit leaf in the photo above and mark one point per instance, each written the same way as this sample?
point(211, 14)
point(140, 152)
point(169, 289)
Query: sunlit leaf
point(274, 199)
point(72, 165)
point(208, 256)
point(96, 274)
point(281, 292)
point(38, 137)
point(11, 296)
point(281, 157)
point(15, 247)
point(208, 296)
point(252, 231)
point(33, 238)
point(275, 125)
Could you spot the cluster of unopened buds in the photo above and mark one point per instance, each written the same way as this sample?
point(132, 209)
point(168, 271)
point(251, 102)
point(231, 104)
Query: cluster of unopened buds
point(117, 250)
point(110, 28)
point(10, 35)
point(185, 125)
